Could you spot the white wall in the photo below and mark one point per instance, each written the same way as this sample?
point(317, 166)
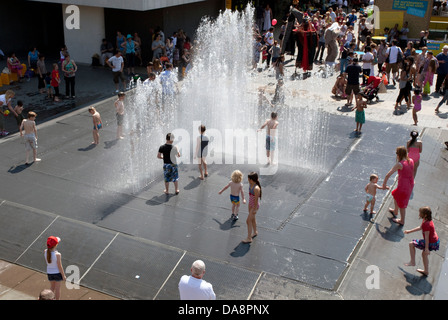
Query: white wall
point(84, 42)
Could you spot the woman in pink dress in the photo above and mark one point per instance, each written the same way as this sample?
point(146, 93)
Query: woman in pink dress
point(401, 194)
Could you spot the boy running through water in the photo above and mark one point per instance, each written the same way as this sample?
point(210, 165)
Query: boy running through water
point(271, 138)
point(29, 126)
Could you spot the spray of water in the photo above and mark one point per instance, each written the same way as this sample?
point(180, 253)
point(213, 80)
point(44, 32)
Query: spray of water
point(221, 92)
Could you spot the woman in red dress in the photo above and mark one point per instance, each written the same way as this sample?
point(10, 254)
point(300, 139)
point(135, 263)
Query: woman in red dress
point(401, 194)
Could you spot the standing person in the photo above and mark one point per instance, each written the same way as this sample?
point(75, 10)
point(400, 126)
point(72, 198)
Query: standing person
point(393, 54)
point(254, 205)
point(367, 65)
point(116, 63)
point(353, 71)
point(404, 85)
point(269, 40)
point(33, 56)
point(29, 126)
point(119, 108)
point(5, 101)
point(41, 72)
point(168, 153)
point(401, 194)
point(429, 68)
point(271, 136)
point(382, 51)
point(194, 287)
point(129, 48)
point(236, 187)
point(360, 117)
point(430, 241)
point(55, 271)
point(69, 69)
point(370, 189)
point(120, 39)
point(97, 125)
point(55, 81)
point(414, 148)
point(442, 70)
point(201, 152)
point(157, 47)
point(267, 17)
point(417, 101)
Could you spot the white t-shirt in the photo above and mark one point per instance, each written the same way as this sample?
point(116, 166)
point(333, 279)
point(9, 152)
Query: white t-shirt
point(367, 57)
point(269, 38)
point(191, 288)
point(393, 54)
point(116, 63)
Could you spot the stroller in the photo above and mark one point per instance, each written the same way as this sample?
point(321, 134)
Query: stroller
point(371, 89)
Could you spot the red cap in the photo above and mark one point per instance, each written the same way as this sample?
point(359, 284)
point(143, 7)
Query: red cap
point(52, 241)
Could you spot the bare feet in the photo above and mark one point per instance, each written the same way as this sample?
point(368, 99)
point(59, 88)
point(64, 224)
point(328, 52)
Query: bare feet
point(165, 192)
point(410, 264)
point(255, 234)
point(247, 240)
point(423, 272)
point(201, 177)
point(398, 221)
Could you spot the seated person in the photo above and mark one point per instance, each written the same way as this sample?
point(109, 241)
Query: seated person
point(107, 51)
point(339, 87)
point(15, 66)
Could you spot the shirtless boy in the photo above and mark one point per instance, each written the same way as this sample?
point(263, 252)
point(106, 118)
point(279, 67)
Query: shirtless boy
point(97, 124)
point(119, 106)
point(29, 126)
point(271, 138)
point(371, 193)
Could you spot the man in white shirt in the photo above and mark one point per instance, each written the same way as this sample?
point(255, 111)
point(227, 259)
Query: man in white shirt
point(116, 63)
point(392, 53)
point(194, 287)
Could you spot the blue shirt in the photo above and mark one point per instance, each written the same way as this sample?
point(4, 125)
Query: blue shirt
point(443, 67)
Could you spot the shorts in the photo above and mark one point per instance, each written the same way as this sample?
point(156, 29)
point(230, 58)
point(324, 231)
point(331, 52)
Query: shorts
point(392, 66)
point(420, 244)
point(270, 143)
point(170, 172)
point(98, 126)
point(118, 75)
point(119, 119)
point(54, 277)
point(30, 142)
point(369, 197)
point(234, 199)
point(352, 87)
point(360, 117)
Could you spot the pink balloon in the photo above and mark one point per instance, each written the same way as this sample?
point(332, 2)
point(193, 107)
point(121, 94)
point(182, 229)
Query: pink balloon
point(274, 22)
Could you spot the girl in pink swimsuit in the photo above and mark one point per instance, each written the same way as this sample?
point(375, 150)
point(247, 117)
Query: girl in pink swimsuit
point(254, 205)
point(417, 101)
point(414, 148)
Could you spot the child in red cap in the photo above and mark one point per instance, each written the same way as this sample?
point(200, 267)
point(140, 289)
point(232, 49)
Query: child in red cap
point(55, 271)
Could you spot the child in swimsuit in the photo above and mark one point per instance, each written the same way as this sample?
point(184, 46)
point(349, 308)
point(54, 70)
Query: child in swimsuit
point(254, 205)
point(371, 193)
point(417, 101)
point(236, 187)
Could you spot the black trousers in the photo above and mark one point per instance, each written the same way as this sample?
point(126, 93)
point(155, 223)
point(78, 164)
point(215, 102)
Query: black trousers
point(439, 81)
point(69, 86)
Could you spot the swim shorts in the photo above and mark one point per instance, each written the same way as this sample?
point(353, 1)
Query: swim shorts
point(234, 199)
